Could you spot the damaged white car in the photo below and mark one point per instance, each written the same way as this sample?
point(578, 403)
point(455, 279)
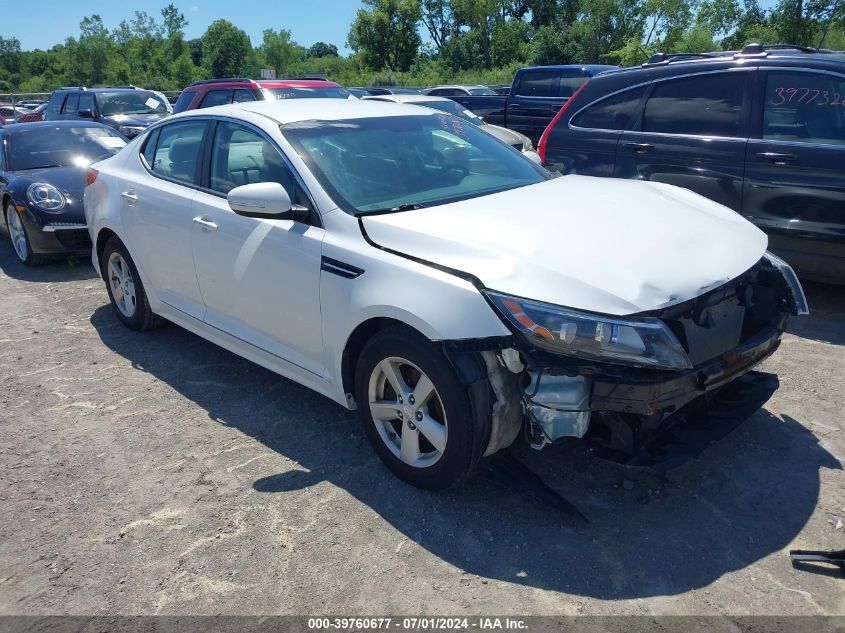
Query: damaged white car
point(402, 262)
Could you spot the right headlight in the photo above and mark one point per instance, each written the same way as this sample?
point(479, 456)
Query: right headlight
point(643, 342)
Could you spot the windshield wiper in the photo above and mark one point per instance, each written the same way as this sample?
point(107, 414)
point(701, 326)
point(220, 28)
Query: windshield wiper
point(408, 206)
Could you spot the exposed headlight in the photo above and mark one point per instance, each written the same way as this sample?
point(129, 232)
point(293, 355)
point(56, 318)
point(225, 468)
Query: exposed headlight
point(799, 301)
point(643, 342)
point(130, 130)
point(527, 146)
point(45, 196)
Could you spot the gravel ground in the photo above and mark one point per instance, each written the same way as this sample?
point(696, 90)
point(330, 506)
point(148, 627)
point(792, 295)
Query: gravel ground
point(158, 474)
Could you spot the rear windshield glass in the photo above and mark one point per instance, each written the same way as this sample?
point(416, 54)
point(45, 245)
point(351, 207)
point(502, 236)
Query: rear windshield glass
point(383, 164)
point(331, 92)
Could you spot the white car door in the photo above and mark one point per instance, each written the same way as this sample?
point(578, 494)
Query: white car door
point(158, 213)
point(259, 278)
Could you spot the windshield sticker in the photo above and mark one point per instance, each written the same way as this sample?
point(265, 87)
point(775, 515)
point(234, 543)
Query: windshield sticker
point(152, 103)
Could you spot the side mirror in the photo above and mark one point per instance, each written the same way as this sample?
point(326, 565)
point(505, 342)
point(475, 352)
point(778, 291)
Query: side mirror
point(265, 200)
point(85, 114)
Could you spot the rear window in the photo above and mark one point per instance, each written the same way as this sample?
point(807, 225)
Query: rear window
point(804, 107)
point(703, 105)
point(329, 92)
point(611, 113)
point(184, 101)
point(538, 84)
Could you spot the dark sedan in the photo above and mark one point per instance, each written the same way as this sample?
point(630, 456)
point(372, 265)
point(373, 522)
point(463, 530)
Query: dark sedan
point(42, 179)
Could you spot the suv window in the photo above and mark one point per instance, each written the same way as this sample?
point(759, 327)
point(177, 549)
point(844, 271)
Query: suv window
point(71, 103)
point(240, 156)
point(703, 105)
point(177, 151)
point(538, 84)
point(242, 95)
point(86, 101)
point(184, 101)
point(612, 113)
point(215, 98)
point(569, 83)
point(804, 107)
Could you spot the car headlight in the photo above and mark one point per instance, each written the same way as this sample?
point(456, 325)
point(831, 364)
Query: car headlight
point(527, 145)
point(799, 301)
point(45, 196)
point(130, 130)
point(645, 342)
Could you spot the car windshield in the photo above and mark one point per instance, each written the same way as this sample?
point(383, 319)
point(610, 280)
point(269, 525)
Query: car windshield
point(383, 164)
point(131, 102)
point(58, 146)
point(481, 91)
point(317, 92)
point(452, 107)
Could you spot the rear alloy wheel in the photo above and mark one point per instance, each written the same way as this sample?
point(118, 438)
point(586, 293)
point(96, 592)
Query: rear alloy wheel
point(416, 411)
point(20, 240)
point(126, 292)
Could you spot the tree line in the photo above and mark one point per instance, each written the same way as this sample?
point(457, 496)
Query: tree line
point(419, 42)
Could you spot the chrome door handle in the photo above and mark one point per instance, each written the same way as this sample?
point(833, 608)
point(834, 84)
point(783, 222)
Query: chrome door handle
point(130, 196)
point(777, 158)
point(639, 148)
point(205, 223)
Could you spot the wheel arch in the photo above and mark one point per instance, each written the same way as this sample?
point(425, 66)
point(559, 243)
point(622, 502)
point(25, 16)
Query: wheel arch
point(103, 237)
point(355, 343)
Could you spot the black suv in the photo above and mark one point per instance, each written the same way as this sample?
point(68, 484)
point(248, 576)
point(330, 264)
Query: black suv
point(127, 109)
point(761, 131)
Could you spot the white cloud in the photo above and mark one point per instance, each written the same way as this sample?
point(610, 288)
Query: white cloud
point(195, 8)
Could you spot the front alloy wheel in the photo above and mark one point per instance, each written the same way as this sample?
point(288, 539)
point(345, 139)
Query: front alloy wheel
point(416, 410)
point(20, 240)
point(407, 412)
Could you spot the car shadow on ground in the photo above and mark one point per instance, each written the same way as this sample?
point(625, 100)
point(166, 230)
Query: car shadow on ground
point(648, 534)
point(52, 271)
point(827, 314)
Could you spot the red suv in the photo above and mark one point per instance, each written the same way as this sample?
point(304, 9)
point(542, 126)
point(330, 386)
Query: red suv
point(214, 92)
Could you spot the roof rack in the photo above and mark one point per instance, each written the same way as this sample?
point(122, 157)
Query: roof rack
point(665, 58)
point(240, 80)
point(763, 49)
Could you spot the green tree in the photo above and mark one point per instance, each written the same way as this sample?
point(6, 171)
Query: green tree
point(226, 50)
point(279, 50)
point(385, 33)
point(321, 49)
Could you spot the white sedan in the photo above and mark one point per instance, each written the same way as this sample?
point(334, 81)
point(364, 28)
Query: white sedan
point(403, 262)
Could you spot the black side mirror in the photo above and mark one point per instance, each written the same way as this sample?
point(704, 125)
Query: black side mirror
point(85, 114)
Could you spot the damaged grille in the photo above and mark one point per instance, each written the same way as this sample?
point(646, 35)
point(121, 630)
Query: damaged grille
point(721, 319)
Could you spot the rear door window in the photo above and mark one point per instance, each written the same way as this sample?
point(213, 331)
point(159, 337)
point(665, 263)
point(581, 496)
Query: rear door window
point(611, 113)
point(569, 83)
point(702, 105)
point(177, 152)
point(215, 98)
point(538, 84)
point(242, 95)
point(71, 103)
point(804, 107)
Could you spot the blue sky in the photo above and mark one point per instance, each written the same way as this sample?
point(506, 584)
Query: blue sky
point(44, 23)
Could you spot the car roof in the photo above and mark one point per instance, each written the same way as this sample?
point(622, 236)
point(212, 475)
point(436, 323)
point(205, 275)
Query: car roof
point(263, 83)
point(593, 68)
point(285, 111)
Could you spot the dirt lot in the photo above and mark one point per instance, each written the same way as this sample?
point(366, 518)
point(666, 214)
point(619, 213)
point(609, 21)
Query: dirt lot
point(157, 473)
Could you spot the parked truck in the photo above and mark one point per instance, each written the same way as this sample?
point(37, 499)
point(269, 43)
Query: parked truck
point(537, 93)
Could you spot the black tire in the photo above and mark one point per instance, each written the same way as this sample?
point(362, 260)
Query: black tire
point(143, 317)
point(460, 458)
point(31, 258)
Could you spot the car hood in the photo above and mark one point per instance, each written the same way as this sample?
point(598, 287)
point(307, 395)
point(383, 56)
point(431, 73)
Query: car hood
point(610, 246)
point(504, 134)
point(136, 120)
point(69, 180)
